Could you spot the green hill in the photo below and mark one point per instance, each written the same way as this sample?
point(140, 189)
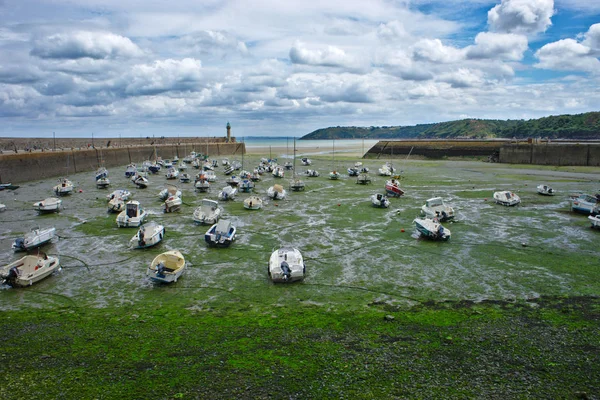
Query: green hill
point(579, 126)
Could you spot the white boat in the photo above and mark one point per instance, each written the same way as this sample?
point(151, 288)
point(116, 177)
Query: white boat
point(236, 165)
point(392, 187)
point(172, 173)
point(297, 185)
point(211, 176)
point(286, 265)
point(2, 207)
point(170, 190)
point(208, 213)
point(506, 198)
point(173, 203)
point(253, 203)
point(306, 161)
point(33, 239)
point(140, 181)
point(334, 175)
point(131, 170)
point(435, 208)
point(233, 180)
point(64, 187)
point(288, 165)
point(133, 215)
point(101, 173)
point(208, 165)
point(195, 163)
point(201, 183)
point(595, 220)
point(148, 235)
point(276, 192)
point(432, 229)
point(358, 164)
point(246, 185)
point(228, 170)
point(51, 204)
point(363, 179)
point(380, 200)
point(185, 178)
point(585, 204)
point(278, 171)
point(353, 171)
point(120, 193)
point(221, 234)
point(311, 173)
point(255, 177)
point(166, 267)
point(182, 167)
point(225, 161)
point(228, 193)
point(116, 205)
point(29, 270)
point(545, 190)
point(385, 171)
point(102, 183)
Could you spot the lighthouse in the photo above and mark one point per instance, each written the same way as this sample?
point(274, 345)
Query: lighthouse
point(228, 132)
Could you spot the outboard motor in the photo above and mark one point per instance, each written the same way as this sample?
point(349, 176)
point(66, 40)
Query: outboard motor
point(19, 244)
point(285, 268)
point(160, 270)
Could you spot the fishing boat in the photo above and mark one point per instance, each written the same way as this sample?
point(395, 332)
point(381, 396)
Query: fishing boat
point(64, 187)
point(133, 215)
point(195, 163)
point(172, 173)
point(140, 181)
point(131, 170)
point(166, 267)
point(380, 200)
point(221, 234)
point(170, 190)
point(182, 167)
point(208, 213)
point(173, 203)
point(334, 175)
point(432, 229)
point(311, 173)
point(228, 193)
point(201, 183)
point(253, 203)
point(116, 205)
point(353, 171)
point(585, 204)
point(363, 179)
point(545, 190)
point(102, 172)
point(211, 176)
point(306, 161)
point(228, 169)
point(233, 180)
point(286, 265)
point(102, 183)
point(246, 185)
point(392, 187)
point(29, 270)
point(506, 198)
point(51, 204)
point(276, 192)
point(149, 234)
point(8, 186)
point(36, 238)
point(120, 193)
point(278, 171)
point(185, 178)
point(435, 208)
point(255, 177)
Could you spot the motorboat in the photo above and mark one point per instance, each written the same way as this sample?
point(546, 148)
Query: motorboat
point(385, 170)
point(51, 204)
point(221, 234)
point(201, 184)
point(392, 187)
point(154, 168)
point(255, 177)
point(225, 162)
point(276, 192)
point(2, 207)
point(545, 190)
point(131, 170)
point(29, 270)
point(149, 234)
point(170, 190)
point(306, 161)
point(506, 198)
point(173, 203)
point(36, 238)
point(208, 165)
point(288, 165)
point(116, 205)
point(102, 183)
point(432, 229)
point(334, 175)
point(228, 193)
point(236, 165)
point(182, 167)
point(595, 220)
point(364, 170)
point(311, 173)
point(358, 164)
point(208, 213)
point(166, 267)
point(228, 169)
point(195, 163)
point(140, 181)
point(380, 200)
point(233, 180)
point(172, 173)
point(435, 208)
point(64, 187)
point(185, 178)
point(253, 203)
point(278, 171)
point(363, 179)
point(353, 171)
point(8, 186)
point(133, 215)
point(286, 265)
point(120, 193)
point(585, 204)
point(211, 176)
point(246, 185)
point(297, 185)
point(101, 173)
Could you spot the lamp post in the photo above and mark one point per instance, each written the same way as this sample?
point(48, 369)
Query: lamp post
point(54, 137)
point(92, 139)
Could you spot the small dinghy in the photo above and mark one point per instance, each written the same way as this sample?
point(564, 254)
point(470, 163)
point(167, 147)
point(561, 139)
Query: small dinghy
point(312, 173)
point(221, 234)
point(432, 229)
point(585, 204)
point(363, 179)
point(173, 203)
point(208, 213)
point(148, 235)
point(166, 267)
point(120, 193)
point(246, 185)
point(133, 215)
point(306, 161)
point(101, 173)
point(595, 220)
point(297, 185)
point(233, 181)
point(185, 178)
point(228, 170)
point(170, 190)
point(172, 173)
point(435, 208)
point(33, 239)
point(131, 170)
point(29, 270)
point(278, 171)
point(2, 207)
point(392, 187)
point(255, 177)
point(211, 176)
point(201, 184)
point(286, 265)
point(227, 193)
point(116, 205)
point(102, 183)
point(353, 171)
point(253, 203)
point(51, 204)
point(334, 175)
point(140, 181)
point(380, 200)
point(8, 186)
point(506, 198)
point(64, 188)
point(276, 192)
point(545, 190)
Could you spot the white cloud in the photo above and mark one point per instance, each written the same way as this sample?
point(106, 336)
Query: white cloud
point(503, 46)
point(521, 16)
point(433, 50)
point(163, 76)
point(592, 38)
point(462, 78)
point(330, 56)
point(81, 44)
point(567, 55)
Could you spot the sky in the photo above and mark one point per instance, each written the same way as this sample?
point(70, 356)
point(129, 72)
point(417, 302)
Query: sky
point(137, 68)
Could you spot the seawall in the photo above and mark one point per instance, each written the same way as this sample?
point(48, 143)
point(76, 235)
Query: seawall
point(587, 154)
point(35, 165)
point(434, 148)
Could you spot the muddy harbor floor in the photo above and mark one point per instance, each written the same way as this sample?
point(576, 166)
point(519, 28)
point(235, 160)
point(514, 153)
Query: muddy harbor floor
point(508, 308)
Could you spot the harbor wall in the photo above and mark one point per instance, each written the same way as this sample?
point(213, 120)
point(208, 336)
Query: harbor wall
point(434, 148)
point(587, 154)
point(28, 166)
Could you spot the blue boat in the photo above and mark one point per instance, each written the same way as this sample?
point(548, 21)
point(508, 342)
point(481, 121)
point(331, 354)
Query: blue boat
point(585, 204)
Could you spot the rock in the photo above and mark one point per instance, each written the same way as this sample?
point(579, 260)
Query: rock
point(389, 317)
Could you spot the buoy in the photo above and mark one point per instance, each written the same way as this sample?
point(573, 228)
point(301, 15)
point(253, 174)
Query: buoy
point(276, 205)
point(401, 230)
point(339, 204)
point(80, 191)
point(485, 199)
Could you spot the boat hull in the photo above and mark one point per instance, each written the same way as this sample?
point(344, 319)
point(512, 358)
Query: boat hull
point(31, 269)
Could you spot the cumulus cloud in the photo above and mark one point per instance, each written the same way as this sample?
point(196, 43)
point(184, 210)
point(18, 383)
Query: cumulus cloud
point(567, 55)
point(163, 76)
point(592, 38)
point(434, 50)
point(82, 44)
point(210, 41)
point(462, 78)
point(521, 16)
point(331, 56)
point(392, 31)
point(503, 46)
